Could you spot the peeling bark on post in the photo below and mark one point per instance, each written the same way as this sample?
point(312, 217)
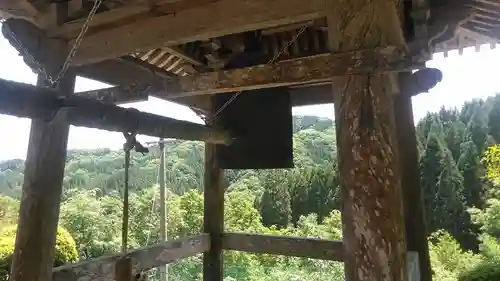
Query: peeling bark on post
point(372, 215)
point(42, 188)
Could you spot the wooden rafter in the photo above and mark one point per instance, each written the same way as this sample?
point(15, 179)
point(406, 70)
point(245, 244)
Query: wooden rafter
point(102, 269)
point(216, 19)
point(283, 245)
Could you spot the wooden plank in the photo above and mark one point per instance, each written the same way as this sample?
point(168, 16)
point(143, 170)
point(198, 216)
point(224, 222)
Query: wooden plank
point(213, 216)
point(125, 94)
point(283, 245)
point(103, 268)
point(198, 23)
point(308, 70)
point(123, 71)
point(124, 270)
point(24, 100)
point(416, 230)
point(372, 215)
point(34, 249)
point(130, 12)
point(42, 188)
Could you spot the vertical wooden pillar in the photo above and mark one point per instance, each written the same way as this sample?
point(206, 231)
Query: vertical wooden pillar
point(213, 216)
point(372, 214)
point(416, 230)
point(42, 188)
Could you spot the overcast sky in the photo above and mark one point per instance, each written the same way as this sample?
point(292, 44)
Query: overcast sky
point(472, 75)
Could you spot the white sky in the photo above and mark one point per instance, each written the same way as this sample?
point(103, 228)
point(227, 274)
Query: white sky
point(469, 76)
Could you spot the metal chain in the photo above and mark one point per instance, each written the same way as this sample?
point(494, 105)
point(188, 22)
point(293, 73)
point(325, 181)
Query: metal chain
point(75, 47)
point(209, 119)
point(40, 69)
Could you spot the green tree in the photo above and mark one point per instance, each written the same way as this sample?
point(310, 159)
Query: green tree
point(275, 206)
point(65, 251)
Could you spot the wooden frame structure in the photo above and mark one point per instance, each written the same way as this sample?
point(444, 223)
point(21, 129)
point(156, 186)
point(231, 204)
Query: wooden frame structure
point(358, 54)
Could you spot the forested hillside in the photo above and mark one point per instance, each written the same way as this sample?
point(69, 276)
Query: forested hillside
point(461, 198)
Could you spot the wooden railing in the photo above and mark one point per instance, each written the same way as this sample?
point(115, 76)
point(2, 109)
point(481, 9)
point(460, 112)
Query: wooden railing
point(103, 268)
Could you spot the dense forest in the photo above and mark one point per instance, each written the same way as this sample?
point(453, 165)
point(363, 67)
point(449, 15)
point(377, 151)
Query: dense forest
point(460, 175)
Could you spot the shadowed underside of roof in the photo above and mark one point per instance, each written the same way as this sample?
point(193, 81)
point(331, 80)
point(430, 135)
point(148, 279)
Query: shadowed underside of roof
point(479, 25)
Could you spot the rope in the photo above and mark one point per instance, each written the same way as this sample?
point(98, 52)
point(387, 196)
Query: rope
point(130, 143)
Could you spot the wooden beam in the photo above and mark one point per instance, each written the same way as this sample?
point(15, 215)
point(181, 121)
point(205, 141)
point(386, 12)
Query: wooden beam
point(302, 71)
point(123, 71)
point(24, 100)
point(34, 248)
point(103, 268)
point(213, 216)
point(130, 12)
point(416, 230)
point(216, 19)
point(372, 215)
point(418, 82)
point(42, 189)
point(283, 245)
point(43, 179)
point(133, 94)
point(124, 270)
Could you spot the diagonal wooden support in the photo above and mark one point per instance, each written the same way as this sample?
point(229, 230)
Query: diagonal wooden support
point(24, 100)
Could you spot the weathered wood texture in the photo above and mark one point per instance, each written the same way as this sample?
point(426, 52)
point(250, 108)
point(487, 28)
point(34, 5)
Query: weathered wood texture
point(123, 71)
point(282, 245)
point(200, 22)
point(37, 50)
point(416, 230)
point(124, 270)
point(303, 94)
point(308, 70)
point(24, 100)
point(42, 188)
point(103, 268)
point(372, 215)
point(213, 216)
point(117, 95)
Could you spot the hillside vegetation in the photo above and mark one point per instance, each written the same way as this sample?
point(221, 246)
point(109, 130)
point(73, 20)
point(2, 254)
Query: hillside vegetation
point(460, 173)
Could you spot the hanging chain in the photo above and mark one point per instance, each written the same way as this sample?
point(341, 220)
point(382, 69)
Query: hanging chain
point(54, 81)
point(75, 47)
point(209, 119)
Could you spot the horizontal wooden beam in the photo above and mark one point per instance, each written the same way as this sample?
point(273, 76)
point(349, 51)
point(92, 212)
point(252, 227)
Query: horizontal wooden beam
point(103, 268)
point(115, 97)
point(28, 101)
point(303, 71)
point(282, 245)
point(200, 22)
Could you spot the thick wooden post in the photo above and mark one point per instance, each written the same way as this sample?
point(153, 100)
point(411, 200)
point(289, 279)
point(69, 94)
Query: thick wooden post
point(416, 230)
point(213, 216)
point(372, 214)
point(42, 188)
